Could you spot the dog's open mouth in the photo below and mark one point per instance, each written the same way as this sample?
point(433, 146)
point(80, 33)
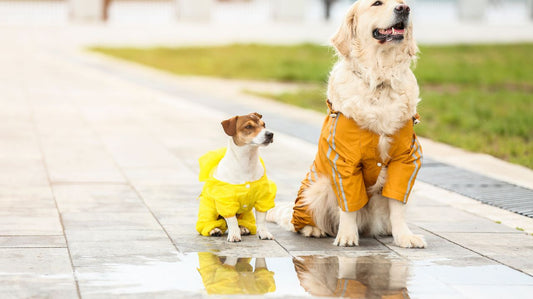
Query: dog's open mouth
point(395, 32)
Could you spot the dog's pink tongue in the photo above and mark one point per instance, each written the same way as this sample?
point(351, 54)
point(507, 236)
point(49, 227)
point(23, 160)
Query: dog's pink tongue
point(397, 31)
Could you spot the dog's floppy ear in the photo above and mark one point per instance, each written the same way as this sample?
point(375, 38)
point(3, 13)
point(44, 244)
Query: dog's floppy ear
point(342, 39)
point(412, 47)
point(258, 115)
point(230, 126)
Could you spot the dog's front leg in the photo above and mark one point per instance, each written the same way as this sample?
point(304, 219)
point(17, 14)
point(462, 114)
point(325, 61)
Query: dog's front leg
point(347, 234)
point(234, 232)
point(401, 233)
point(262, 230)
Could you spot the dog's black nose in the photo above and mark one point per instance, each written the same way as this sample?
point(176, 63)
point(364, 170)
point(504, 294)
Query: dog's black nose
point(402, 9)
point(269, 135)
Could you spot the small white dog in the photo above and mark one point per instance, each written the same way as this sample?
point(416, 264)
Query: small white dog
point(368, 155)
point(236, 182)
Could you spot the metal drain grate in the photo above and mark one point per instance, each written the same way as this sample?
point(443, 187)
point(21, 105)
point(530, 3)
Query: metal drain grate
point(473, 185)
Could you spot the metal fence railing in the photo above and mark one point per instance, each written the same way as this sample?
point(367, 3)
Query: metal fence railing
point(246, 11)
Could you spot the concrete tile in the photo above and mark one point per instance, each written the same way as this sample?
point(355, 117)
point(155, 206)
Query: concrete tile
point(109, 221)
point(98, 198)
point(514, 250)
point(447, 219)
point(30, 225)
point(158, 176)
point(139, 151)
point(250, 246)
point(438, 249)
point(36, 272)
point(32, 241)
point(74, 158)
point(97, 247)
point(18, 174)
point(294, 242)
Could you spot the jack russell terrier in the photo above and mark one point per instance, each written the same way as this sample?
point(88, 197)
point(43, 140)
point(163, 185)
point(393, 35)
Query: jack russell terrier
point(236, 182)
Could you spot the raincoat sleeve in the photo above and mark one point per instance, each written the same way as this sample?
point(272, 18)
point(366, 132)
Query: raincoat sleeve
point(402, 171)
point(266, 196)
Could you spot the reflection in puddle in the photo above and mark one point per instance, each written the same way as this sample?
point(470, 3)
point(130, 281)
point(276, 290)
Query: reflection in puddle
point(365, 276)
point(230, 275)
point(352, 277)
point(374, 276)
point(349, 277)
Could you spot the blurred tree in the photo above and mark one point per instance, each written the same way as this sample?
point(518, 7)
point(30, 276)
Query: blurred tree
point(105, 7)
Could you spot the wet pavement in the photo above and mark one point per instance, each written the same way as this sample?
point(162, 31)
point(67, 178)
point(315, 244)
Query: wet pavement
point(358, 274)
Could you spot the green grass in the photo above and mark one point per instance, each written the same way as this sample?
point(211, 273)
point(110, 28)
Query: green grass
point(299, 63)
point(478, 97)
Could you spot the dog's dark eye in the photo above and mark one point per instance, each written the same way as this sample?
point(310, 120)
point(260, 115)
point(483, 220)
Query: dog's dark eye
point(249, 127)
point(377, 3)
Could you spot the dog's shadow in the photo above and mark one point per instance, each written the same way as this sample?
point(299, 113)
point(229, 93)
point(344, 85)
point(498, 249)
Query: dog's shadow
point(352, 277)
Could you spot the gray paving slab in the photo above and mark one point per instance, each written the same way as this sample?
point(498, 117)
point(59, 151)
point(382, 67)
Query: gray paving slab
point(515, 250)
point(97, 198)
point(36, 272)
point(28, 241)
point(454, 220)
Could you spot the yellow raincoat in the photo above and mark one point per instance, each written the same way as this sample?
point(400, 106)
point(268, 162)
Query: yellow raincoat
point(221, 200)
point(242, 279)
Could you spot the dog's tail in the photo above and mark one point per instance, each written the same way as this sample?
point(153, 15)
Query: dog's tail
point(282, 215)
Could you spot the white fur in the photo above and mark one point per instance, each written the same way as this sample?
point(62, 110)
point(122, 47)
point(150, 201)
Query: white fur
point(240, 164)
point(262, 230)
point(234, 232)
point(261, 138)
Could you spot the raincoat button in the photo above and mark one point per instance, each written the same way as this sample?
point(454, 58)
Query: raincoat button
point(247, 185)
point(379, 164)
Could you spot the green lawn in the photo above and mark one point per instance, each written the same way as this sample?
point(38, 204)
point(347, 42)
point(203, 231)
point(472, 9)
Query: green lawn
point(476, 97)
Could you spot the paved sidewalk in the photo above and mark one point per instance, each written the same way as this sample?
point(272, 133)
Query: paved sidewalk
point(98, 199)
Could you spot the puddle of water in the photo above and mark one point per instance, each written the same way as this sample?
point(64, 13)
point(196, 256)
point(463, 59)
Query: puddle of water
point(369, 276)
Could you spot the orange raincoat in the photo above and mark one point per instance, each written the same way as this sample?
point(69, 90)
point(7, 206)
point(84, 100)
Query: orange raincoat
point(348, 155)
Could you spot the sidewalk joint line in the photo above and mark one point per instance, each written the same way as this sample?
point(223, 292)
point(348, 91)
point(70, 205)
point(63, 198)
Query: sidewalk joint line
point(50, 186)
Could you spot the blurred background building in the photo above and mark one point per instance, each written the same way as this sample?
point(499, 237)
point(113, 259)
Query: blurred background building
point(247, 11)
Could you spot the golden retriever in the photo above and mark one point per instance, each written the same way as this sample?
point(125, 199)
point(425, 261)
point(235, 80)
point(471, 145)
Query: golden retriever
point(372, 86)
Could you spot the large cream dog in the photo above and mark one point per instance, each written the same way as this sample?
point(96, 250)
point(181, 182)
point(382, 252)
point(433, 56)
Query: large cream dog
point(368, 155)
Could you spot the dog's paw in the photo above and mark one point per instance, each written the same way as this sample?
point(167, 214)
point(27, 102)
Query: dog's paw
point(312, 231)
point(234, 237)
point(264, 234)
point(244, 231)
point(346, 240)
point(410, 241)
point(215, 232)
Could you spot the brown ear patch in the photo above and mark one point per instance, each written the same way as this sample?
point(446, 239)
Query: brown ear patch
point(230, 126)
point(257, 114)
